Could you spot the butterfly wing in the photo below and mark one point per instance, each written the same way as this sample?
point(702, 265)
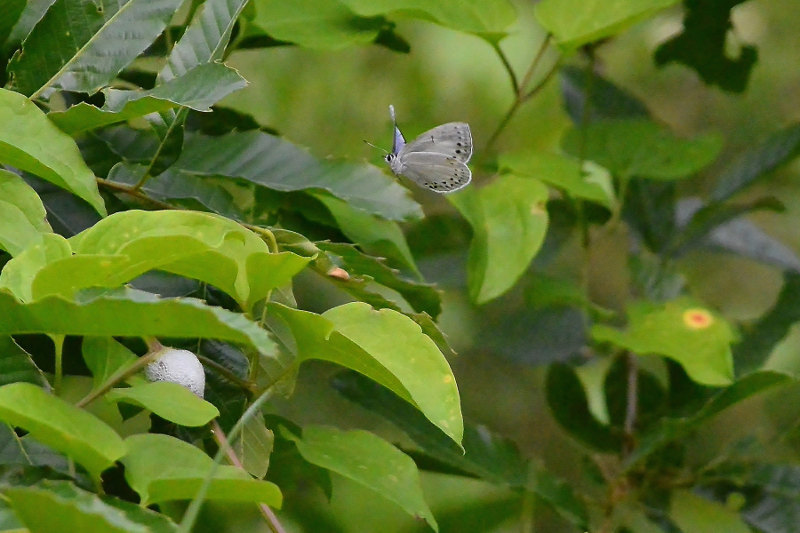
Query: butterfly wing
point(453, 139)
point(435, 171)
point(399, 140)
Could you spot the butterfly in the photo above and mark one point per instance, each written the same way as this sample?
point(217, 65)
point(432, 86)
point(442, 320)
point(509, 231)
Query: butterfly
point(437, 159)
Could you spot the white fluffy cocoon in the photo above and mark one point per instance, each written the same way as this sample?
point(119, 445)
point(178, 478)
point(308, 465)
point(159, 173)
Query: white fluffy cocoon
point(178, 366)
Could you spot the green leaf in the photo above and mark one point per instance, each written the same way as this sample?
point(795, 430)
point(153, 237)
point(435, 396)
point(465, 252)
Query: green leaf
point(593, 183)
point(701, 46)
point(778, 149)
point(606, 100)
point(485, 17)
point(578, 22)
point(254, 447)
point(761, 337)
point(509, 222)
point(567, 400)
point(323, 24)
point(60, 425)
point(271, 162)
point(358, 337)
point(82, 45)
point(775, 507)
point(671, 429)
point(205, 39)
point(49, 505)
point(198, 89)
point(131, 314)
point(558, 494)
point(699, 515)
point(24, 216)
point(170, 401)
point(162, 468)
point(28, 141)
point(104, 356)
point(374, 235)
point(687, 333)
point(16, 364)
point(8, 19)
point(421, 296)
point(642, 148)
point(485, 455)
point(192, 244)
point(18, 274)
point(368, 460)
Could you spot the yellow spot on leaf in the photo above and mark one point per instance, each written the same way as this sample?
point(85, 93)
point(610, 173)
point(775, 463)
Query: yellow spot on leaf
point(697, 318)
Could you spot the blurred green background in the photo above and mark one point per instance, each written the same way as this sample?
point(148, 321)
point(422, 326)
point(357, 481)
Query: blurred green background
point(332, 101)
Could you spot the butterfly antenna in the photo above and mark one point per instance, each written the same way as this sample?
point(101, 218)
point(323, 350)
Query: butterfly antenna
point(378, 147)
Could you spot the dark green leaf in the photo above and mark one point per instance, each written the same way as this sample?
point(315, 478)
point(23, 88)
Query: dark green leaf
point(82, 45)
point(606, 100)
point(198, 89)
point(641, 148)
point(762, 158)
point(16, 364)
point(9, 17)
point(760, 338)
point(650, 395)
point(271, 162)
point(570, 407)
point(701, 45)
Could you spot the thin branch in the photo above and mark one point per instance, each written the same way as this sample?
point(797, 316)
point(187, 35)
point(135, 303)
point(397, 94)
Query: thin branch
point(136, 193)
point(504, 59)
point(631, 400)
point(120, 375)
point(535, 63)
point(222, 441)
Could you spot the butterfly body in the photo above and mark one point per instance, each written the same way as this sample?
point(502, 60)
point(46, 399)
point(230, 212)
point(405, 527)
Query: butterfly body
point(437, 159)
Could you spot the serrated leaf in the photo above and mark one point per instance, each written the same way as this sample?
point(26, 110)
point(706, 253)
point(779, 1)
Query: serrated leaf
point(642, 148)
point(778, 149)
point(701, 46)
point(131, 314)
point(254, 447)
point(205, 39)
point(358, 337)
point(577, 22)
point(567, 400)
point(488, 18)
point(198, 89)
point(276, 164)
point(368, 460)
point(163, 468)
point(82, 45)
point(30, 142)
point(60, 425)
point(170, 401)
point(687, 333)
point(509, 222)
point(84, 511)
point(591, 183)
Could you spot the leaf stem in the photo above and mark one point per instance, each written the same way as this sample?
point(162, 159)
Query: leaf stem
point(58, 372)
point(631, 402)
point(120, 375)
point(222, 441)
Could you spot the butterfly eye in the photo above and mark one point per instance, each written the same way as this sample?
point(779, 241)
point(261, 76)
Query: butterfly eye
point(388, 157)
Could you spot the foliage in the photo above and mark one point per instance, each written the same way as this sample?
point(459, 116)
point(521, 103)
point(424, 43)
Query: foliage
point(141, 205)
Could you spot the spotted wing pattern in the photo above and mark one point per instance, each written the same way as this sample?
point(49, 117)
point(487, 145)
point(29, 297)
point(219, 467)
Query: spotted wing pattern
point(453, 139)
point(435, 171)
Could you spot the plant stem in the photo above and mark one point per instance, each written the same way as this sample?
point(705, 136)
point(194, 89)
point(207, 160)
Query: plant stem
point(631, 402)
point(58, 372)
point(527, 512)
point(222, 441)
point(120, 375)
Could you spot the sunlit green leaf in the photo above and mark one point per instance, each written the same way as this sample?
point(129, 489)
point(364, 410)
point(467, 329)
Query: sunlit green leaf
point(60, 425)
point(199, 89)
point(578, 22)
point(82, 46)
point(22, 212)
point(170, 401)
point(369, 460)
point(695, 513)
point(163, 468)
point(50, 505)
point(28, 141)
point(509, 222)
point(690, 334)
